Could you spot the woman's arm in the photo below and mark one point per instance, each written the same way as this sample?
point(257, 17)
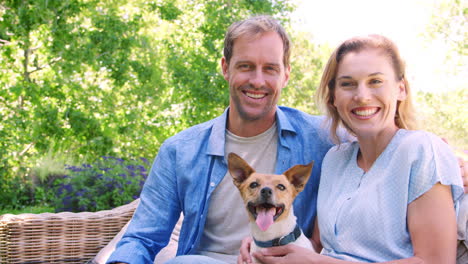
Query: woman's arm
point(431, 223)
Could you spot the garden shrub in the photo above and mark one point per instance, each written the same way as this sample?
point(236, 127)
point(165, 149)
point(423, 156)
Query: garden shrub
point(104, 184)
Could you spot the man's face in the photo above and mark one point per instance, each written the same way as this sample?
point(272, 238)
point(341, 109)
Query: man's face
point(256, 76)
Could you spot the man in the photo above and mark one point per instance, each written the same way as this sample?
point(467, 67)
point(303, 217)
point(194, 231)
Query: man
point(190, 174)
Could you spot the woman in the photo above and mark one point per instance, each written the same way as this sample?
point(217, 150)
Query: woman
point(390, 195)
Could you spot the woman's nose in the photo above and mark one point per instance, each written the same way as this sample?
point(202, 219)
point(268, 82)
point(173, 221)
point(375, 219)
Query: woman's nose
point(363, 93)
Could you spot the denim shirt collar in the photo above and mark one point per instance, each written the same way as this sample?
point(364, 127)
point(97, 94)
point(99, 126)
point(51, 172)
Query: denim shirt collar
point(217, 136)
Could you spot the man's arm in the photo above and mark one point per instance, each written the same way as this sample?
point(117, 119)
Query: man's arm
point(154, 219)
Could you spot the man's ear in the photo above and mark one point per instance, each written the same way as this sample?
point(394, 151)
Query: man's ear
point(238, 168)
point(299, 175)
point(287, 72)
point(225, 68)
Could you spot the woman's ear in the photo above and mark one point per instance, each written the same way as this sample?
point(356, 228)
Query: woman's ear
point(401, 90)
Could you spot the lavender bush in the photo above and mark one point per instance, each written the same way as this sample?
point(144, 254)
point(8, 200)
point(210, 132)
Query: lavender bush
point(107, 183)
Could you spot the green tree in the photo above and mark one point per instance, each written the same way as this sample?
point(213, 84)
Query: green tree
point(444, 112)
point(112, 77)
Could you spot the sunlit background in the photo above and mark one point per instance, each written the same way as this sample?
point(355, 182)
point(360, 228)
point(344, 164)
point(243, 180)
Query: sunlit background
point(407, 22)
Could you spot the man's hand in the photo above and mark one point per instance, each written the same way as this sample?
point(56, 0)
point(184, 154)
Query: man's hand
point(287, 254)
point(244, 256)
point(464, 173)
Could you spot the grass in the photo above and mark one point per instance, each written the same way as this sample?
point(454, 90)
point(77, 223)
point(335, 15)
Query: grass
point(31, 210)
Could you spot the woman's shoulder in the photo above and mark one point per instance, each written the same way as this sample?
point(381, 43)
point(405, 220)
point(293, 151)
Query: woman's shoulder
point(420, 140)
point(343, 150)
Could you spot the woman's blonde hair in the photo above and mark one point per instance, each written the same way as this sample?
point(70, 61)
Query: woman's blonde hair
point(404, 116)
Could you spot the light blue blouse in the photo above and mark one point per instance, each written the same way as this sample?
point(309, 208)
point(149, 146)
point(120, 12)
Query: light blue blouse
point(362, 216)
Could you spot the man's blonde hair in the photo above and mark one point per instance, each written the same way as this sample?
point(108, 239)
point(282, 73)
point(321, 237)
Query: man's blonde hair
point(254, 27)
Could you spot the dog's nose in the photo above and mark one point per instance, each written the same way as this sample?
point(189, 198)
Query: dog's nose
point(266, 192)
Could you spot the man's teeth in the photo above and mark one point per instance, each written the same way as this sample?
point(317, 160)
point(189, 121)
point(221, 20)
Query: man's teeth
point(366, 112)
point(255, 95)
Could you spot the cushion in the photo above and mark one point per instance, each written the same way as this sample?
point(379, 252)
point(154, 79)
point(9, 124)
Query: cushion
point(164, 255)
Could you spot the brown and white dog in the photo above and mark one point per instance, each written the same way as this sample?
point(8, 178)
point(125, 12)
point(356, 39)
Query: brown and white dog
point(269, 202)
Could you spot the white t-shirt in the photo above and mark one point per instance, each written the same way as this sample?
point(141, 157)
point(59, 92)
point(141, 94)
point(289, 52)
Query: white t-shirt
point(227, 222)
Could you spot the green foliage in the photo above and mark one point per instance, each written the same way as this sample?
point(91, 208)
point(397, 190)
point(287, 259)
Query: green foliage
point(449, 25)
point(103, 184)
point(36, 209)
point(307, 63)
point(16, 193)
point(446, 115)
point(445, 112)
point(85, 78)
point(108, 77)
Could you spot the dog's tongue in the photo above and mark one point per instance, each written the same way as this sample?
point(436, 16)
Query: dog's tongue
point(265, 218)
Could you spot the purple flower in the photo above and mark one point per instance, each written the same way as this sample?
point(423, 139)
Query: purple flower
point(68, 187)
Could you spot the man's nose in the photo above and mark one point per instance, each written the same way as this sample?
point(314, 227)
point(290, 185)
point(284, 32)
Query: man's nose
point(258, 79)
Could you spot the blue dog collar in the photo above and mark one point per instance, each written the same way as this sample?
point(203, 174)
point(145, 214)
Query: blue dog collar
point(281, 241)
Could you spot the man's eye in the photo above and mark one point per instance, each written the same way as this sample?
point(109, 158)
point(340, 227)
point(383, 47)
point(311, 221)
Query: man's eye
point(281, 187)
point(244, 66)
point(253, 185)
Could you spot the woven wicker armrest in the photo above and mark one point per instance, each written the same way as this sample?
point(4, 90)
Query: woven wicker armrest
point(60, 238)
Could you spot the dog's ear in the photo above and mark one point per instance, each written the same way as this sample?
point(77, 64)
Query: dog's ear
point(299, 175)
point(238, 168)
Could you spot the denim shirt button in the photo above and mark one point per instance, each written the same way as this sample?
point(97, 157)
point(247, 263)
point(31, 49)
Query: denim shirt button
point(212, 184)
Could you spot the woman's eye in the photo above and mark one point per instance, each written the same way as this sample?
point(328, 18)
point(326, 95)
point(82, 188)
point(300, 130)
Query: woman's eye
point(253, 185)
point(375, 81)
point(281, 187)
point(346, 84)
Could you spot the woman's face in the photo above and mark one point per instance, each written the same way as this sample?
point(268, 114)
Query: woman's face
point(366, 93)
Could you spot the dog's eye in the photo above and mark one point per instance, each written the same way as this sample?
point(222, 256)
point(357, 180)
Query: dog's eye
point(281, 187)
point(253, 185)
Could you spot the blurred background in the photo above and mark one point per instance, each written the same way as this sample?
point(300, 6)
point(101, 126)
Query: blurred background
point(90, 89)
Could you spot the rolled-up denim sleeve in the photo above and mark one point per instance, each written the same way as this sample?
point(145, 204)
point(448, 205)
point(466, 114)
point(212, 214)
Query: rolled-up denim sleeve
point(154, 219)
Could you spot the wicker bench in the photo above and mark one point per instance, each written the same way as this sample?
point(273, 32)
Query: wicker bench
point(60, 238)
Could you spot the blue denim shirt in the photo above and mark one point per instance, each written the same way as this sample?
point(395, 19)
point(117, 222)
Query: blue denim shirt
point(191, 164)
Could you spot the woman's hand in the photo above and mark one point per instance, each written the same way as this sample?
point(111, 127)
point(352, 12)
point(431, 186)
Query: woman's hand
point(287, 254)
point(244, 256)
point(464, 173)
